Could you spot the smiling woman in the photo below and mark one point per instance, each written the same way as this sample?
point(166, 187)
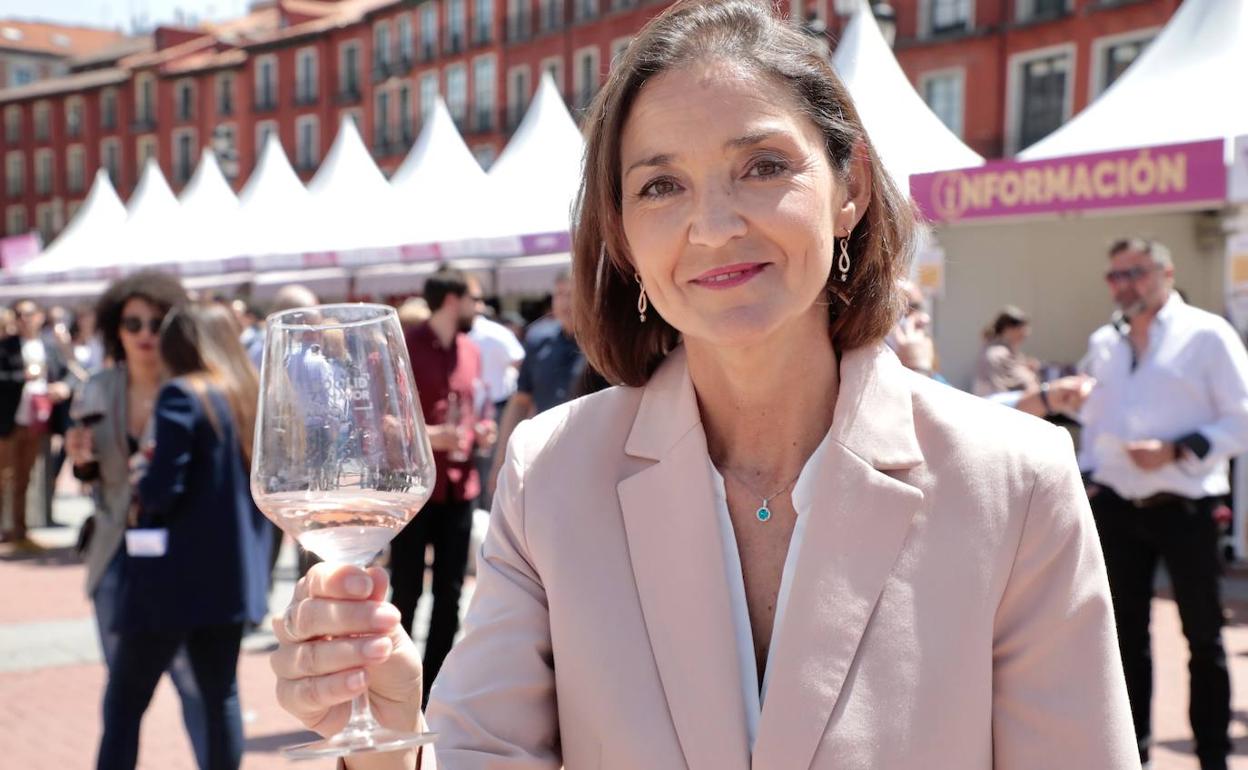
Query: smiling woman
point(771, 545)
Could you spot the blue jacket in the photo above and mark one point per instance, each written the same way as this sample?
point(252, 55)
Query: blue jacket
point(216, 570)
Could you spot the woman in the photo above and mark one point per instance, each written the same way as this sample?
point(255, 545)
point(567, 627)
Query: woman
point(1002, 367)
point(196, 492)
point(129, 315)
point(773, 546)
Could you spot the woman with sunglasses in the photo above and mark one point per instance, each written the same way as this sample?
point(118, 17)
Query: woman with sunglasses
point(100, 446)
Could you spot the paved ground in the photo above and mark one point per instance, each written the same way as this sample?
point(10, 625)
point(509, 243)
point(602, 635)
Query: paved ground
point(51, 677)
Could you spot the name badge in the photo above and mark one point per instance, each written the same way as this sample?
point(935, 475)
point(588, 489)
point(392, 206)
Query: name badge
point(147, 543)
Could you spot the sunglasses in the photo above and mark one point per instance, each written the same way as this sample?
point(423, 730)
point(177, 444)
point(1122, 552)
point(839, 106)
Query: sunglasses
point(134, 324)
point(1130, 274)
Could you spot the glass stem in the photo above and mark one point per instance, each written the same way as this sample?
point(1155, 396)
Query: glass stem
point(362, 720)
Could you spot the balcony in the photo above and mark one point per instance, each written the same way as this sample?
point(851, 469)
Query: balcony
point(483, 119)
point(265, 103)
point(381, 70)
point(306, 97)
point(454, 42)
point(482, 36)
point(515, 114)
point(407, 60)
point(143, 124)
point(349, 93)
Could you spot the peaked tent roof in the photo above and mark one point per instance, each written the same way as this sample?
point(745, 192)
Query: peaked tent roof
point(1177, 91)
point(273, 207)
point(210, 211)
point(440, 189)
point(353, 203)
point(908, 136)
point(539, 172)
point(88, 239)
point(153, 232)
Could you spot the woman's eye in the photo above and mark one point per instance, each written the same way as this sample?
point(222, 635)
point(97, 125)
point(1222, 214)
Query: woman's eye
point(659, 188)
point(767, 168)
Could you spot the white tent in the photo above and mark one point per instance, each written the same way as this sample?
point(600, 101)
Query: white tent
point(539, 172)
point(908, 136)
point(154, 223)
point(353, 210)
point(1185, 87)
point(441, 190)
point(87, 241)
point(209, 218)
point(274, 211)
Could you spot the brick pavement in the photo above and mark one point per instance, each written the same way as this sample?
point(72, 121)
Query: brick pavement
point(51, 680)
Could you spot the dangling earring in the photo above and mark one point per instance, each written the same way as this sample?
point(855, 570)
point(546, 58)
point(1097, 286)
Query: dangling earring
point(843, 264)
point(642, 303)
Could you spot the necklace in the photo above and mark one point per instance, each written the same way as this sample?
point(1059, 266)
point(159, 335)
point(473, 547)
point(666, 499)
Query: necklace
point(763, 513)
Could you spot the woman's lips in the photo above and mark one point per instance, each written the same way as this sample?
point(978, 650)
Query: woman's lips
point(729, 276)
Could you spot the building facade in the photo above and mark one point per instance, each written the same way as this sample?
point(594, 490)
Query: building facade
point(1001, 76)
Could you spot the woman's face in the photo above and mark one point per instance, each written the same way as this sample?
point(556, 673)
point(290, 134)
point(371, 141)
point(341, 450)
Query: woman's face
point(138, 339)
point(730, 204)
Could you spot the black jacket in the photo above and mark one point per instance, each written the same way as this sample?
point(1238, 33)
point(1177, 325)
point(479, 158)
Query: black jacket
point(13, 378)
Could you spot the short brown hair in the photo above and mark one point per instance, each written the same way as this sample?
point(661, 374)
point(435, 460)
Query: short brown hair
point(163, 290)
point(749, 33)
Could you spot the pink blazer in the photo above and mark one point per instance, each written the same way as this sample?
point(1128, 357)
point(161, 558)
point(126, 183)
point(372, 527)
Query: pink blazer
point(949, 611)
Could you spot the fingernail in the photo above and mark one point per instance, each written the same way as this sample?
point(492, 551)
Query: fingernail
point(377, 649)
point(385, 616)
point(355, 680)
point(359, 585)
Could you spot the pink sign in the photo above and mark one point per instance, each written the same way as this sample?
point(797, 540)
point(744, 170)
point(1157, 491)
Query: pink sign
point(17, 250)
point(1148, 176)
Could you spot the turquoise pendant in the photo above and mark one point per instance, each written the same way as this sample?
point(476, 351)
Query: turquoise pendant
point(764, 513)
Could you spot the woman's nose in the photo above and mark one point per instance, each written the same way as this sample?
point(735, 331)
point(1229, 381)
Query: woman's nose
point(715, 219)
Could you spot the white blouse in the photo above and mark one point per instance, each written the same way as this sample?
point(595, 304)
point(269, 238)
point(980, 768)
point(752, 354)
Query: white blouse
point(802, 504)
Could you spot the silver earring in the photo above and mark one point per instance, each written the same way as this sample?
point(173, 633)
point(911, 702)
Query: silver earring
point(642, 303)
point(843, 264)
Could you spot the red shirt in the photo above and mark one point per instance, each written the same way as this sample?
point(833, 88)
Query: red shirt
point(441, 371)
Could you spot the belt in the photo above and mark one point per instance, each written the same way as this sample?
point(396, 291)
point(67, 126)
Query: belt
point(1158, 500)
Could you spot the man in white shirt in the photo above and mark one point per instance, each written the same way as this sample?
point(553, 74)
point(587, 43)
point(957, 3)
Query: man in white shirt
point(501, 352)
point(1169, 410)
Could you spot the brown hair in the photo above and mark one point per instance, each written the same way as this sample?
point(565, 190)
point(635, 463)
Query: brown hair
point(749, 33)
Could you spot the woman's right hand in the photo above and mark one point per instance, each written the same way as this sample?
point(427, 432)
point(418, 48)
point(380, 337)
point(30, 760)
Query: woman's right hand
point(339, 638)
point(79, 446)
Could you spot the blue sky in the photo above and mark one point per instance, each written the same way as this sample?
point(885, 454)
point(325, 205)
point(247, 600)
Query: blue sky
point(118, 13)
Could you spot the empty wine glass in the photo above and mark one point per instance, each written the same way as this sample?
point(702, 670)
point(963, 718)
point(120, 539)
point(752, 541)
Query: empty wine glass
point(342, 460)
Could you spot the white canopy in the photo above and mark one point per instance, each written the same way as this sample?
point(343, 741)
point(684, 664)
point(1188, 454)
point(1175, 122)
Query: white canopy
point(1185, 87)
point(908, 136)
point(274, 211)
point(88, 241)
point(153, 230)
point(440, 189)
point(539, 172)
point(352, 203)
point(209, 218)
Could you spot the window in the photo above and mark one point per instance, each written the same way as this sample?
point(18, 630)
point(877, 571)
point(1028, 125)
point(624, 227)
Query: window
point(349, 71)
point(482, 21)
point(46, 214)
point(43, 121)
point(225, 145)
point(428, 93)
point(13, 124)
point(225, 94)
point(23, 74)
point(519, 20)
point(44, 170)
point(1114, 55)
point(1042, 95)
point(381, 50)
point(407, 125)
point(184, 152)
point(145, 101)
point(485, 155)
point(457, 93)
point(307, 142)
point(71, 210)
point(518, 90)
point(584, 10)
point(381, 123)
point(305, 76)
point(455, 25)
point(110, 159)
point(1040, 10)
point(108, 109)
point(553, 66)
point(407, 46)
point(948, 16)
point(15, 220)
point(549, 15)
point(484, 92)
point(145, 148)
point(264, 129)
point(428, 31)
point(944, 94)
point(75, 169)
point(623, 5)
point(73, 117)
point(15, 174)
point(618, 47)
point(185, 90)
point(266, 83)
point(586, 76)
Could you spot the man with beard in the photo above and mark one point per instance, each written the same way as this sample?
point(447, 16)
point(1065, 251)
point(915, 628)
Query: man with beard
point(447, 367)
point(1169, 410)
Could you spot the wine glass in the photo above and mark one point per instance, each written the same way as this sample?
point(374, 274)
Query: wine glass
point(342, 460)
point(86, 410)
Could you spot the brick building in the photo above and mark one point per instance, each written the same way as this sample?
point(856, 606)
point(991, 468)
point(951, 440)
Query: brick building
point(1000, 75)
